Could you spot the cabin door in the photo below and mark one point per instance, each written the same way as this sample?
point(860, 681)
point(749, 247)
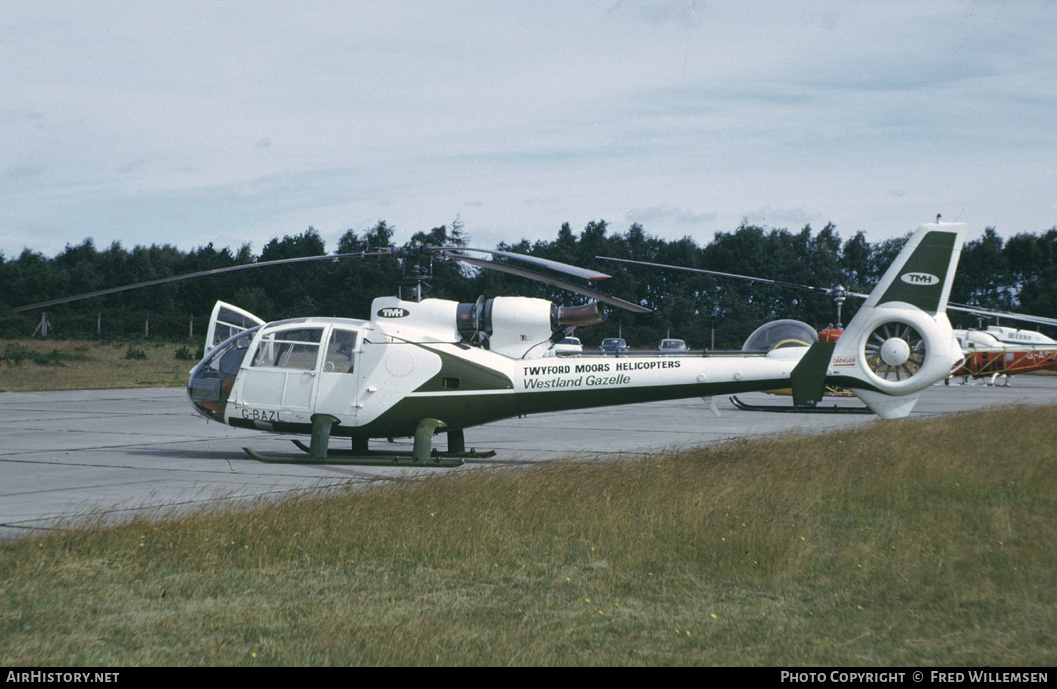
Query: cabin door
point(338, 379)
point(282, 374)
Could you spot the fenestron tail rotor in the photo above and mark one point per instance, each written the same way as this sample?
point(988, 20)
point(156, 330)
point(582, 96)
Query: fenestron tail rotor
point(895, 351)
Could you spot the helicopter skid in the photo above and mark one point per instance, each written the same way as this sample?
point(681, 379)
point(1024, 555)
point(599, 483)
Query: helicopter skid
point(799, 410)
point(421, 456)
point(348, 457)
point(369, 454)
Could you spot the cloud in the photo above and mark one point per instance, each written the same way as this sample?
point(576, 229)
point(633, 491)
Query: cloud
point(781, 217)
point(25, 170)
point(680, 12)
point(672, 113)
point(664, 214)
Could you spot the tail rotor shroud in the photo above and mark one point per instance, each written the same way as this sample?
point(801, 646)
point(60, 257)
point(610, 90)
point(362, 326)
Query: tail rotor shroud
point(895, 351)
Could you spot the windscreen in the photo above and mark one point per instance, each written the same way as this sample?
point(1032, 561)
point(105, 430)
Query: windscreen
point(212, 379)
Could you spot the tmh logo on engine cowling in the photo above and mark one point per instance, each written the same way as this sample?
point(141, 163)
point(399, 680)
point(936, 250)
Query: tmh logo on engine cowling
point(393, 312)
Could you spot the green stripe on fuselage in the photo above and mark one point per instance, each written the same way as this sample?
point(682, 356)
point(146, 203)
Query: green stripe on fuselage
point(470, 375)
point(486, 395)
point(466, 409)
point(532, 402)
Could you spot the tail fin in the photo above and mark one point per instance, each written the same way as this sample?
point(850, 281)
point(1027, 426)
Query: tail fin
point(900, 341)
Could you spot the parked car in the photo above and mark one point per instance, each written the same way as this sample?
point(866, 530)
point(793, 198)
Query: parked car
point(614, 345)
point(672, 346)
point(569, 345)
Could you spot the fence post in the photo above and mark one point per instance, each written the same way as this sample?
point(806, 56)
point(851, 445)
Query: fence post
point(43, 326)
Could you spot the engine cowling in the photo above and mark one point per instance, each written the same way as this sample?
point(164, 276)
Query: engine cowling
point(515, 325)
point(510, 325)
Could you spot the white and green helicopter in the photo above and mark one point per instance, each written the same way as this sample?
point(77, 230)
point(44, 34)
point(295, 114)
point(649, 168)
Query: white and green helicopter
point(420, 366)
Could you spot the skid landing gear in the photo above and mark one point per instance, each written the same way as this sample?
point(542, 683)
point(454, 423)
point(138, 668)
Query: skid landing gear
point(799, 410)
point(422, 455)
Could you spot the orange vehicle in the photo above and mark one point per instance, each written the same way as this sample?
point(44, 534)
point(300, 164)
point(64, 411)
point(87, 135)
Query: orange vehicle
point(1001, 351)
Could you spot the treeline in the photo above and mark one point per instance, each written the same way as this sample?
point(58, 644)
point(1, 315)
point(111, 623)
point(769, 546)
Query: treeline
point(1019, 274)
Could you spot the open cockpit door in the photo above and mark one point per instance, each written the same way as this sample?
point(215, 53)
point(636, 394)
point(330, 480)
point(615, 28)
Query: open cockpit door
point(226, 321)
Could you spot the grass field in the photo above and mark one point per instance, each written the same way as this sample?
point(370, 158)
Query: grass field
point(32, 364)
point(904, 544)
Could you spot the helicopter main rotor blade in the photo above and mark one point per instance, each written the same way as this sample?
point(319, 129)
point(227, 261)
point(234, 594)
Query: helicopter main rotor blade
point(557, 282)
point(201, 273)
point(456, 252)
point(556, 266)
point(398, 252)
point(976, 310)
point(821, 290)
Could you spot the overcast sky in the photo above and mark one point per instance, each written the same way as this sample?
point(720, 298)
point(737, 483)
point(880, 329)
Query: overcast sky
point(229, 122)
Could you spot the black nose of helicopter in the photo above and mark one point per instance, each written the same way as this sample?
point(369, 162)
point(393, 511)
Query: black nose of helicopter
point(212, 379)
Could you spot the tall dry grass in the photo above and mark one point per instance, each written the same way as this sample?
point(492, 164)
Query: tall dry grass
point(30, 364)
point(908, 543)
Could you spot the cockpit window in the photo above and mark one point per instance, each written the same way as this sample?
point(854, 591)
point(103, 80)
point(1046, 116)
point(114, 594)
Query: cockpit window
point(292, 349)
point(212, 379)
point(339, 351)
